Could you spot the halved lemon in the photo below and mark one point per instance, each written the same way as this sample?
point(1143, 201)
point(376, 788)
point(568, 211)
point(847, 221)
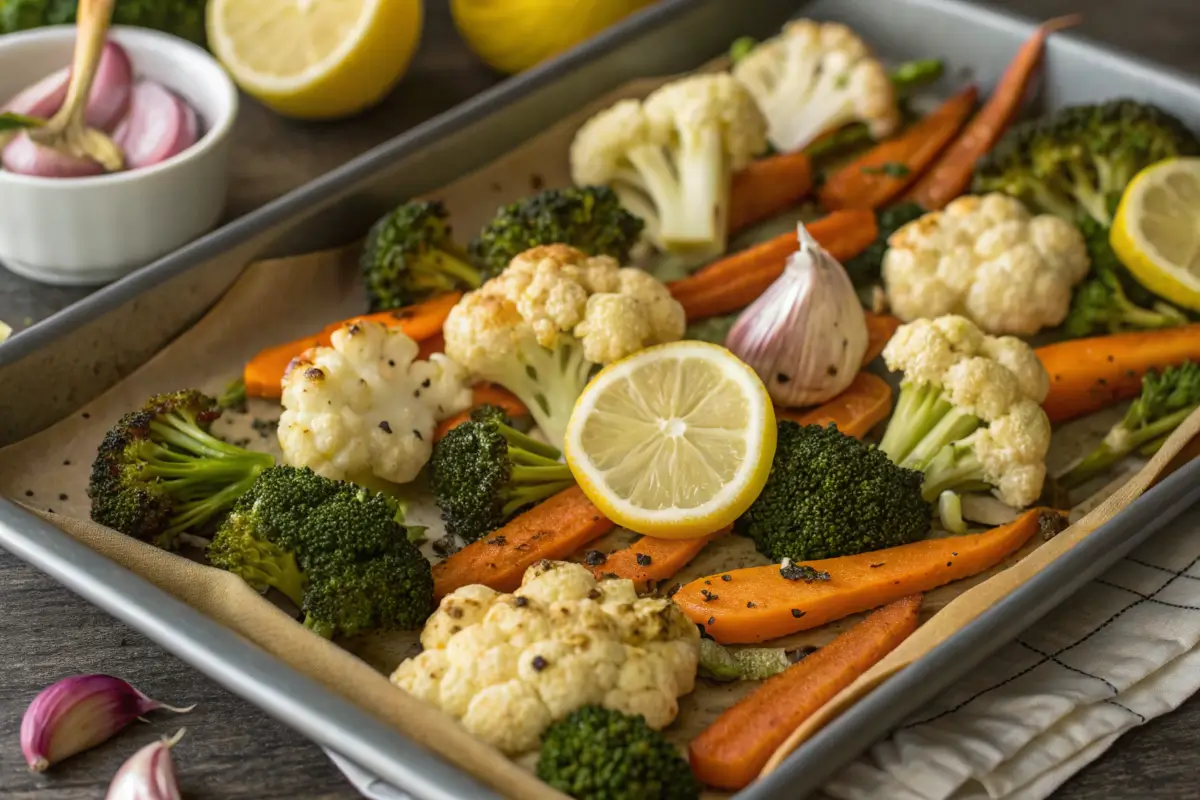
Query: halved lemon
point(675, 441)
point(315, 59)
point(1156, 230)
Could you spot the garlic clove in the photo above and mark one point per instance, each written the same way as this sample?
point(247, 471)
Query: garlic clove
point(78, 713)
point(149, 774)
point(806, 335)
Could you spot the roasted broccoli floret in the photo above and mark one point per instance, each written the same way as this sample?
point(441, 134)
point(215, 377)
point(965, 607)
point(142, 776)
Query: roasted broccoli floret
point(338, 551)
point(484, 471)
point(159, 471)
point(596, 753)
point(1102, 303)
point(589, 218)
point(1166, 400)
point(865, 268)
point(830, 495)
point(409, 255)
point(1078, 161)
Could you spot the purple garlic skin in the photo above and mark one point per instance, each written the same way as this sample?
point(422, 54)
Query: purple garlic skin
point(149, 774)
point(78, 713)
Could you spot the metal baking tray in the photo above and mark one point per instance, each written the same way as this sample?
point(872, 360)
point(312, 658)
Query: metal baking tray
point(75, 355)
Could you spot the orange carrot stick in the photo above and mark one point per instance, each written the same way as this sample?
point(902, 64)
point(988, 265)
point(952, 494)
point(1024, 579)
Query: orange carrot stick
point(552, 530)
point(434, 344)
point(865, 402)
point(1087, 375)
point(423, 321)
point(737, 281)
point(767, 187)
point(731, 751)
point(869, 182)
point(880, 329)
point(951, 174)
point(779, 606)
point(483, 394)
point(649, 560)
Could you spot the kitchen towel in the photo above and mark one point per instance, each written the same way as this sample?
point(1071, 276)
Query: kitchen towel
point(1119, 653)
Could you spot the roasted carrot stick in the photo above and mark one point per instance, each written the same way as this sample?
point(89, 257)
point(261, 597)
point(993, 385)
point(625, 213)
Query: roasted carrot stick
point(871, 181)
point(880, 329)
point(434, 344)
point(951, 173)
point(552, 530)
point(484, 394)
point(737, 281)
point(1087, 375)
point(778, 606)
point(731, 751)
point(767, 187)
point(649, 560)
point(422, 321)
point(864, 403)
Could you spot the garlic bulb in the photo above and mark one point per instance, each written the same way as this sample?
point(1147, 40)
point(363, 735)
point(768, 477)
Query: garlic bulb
point(806, 335)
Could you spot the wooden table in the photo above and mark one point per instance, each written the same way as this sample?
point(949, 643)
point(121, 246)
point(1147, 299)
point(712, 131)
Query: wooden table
point(233, 750)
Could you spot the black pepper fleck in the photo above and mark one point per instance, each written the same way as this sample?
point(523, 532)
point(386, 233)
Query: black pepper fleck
point(643, 560)
point(797, 613)
point(497, 540)
point(29, 492)
point(539, 663)
point(67, 463)
point(62, 497)
point(417, 434)
point(416, 392)
point(521, 602)
point(594, 558)
point(86, 415)
point(727, 578)
point(391, 362)
point(712, 621)
point(949, 563)
point(781, 378)
point(426, 383)
point(594, 594)
point(385, 427)
point(831, 370)
point(751, 604)
point(707, 595)
point(314, 373)
point(877, 566)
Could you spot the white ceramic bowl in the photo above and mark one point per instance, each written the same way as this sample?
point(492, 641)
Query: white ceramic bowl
point(86, 231)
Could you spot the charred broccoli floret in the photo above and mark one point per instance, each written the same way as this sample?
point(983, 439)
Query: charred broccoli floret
point(409, 256)
point(484, 471)
point(1078, 161)
point(596, 753)
point(160, 472)
point(338, 551)
point(1166, 400)
point(1102, 304)
point(588, 218)
point(830, 495)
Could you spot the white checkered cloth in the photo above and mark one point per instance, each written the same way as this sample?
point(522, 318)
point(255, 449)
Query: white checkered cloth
point(1117, 654)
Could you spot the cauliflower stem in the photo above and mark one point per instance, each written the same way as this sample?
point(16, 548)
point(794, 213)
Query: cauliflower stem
point(547, 380)
point(924, 422)
point(955, 467)
point(688, 183)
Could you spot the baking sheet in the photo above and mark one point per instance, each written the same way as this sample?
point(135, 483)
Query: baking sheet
point(1074, 71)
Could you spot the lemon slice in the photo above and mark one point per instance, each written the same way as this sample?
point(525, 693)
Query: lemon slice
point(5, 331)
point(315, 59)
point(675, 441)
point(1156, 231)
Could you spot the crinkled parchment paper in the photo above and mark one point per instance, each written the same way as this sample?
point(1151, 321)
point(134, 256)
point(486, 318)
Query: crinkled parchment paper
point(280, 300)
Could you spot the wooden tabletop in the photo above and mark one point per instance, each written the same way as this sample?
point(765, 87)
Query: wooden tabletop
point(233, 750)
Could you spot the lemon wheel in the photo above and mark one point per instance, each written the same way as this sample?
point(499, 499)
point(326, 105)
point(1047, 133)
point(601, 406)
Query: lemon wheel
point(315, 59)
point(675, 441)
point(1156, 230)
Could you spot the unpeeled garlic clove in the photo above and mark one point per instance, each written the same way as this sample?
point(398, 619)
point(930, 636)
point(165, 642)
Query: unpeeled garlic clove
point(80, 712)
point(149, 774)
point(806, 335)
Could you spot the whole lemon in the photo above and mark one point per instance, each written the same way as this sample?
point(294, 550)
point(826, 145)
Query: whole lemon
point(514, 35)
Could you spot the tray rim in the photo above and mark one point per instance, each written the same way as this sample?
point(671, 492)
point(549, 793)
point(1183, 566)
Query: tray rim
point(385, 751)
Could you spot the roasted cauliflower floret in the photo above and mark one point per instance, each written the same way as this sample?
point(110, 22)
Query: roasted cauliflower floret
point(969, 414)
point(670, 158)
point(816, 77)
point(541, 327)
point(364, 407)
point(987, 258)
point(559, 642)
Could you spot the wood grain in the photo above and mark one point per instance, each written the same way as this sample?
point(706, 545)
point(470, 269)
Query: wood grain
point(233, 750)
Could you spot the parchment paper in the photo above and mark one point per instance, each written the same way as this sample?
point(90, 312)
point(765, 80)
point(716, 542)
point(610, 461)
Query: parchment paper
point(280, 300)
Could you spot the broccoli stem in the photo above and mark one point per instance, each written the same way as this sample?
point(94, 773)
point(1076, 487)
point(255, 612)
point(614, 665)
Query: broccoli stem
point(523, 445)
point(954, 468)
point(193, 513)
point(432, 270)
point(264, 564)
point(1122, 440)
point(918, 410)
point(323, 629)
point(1161, 316)
point(916, 74)
point(519, 496)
